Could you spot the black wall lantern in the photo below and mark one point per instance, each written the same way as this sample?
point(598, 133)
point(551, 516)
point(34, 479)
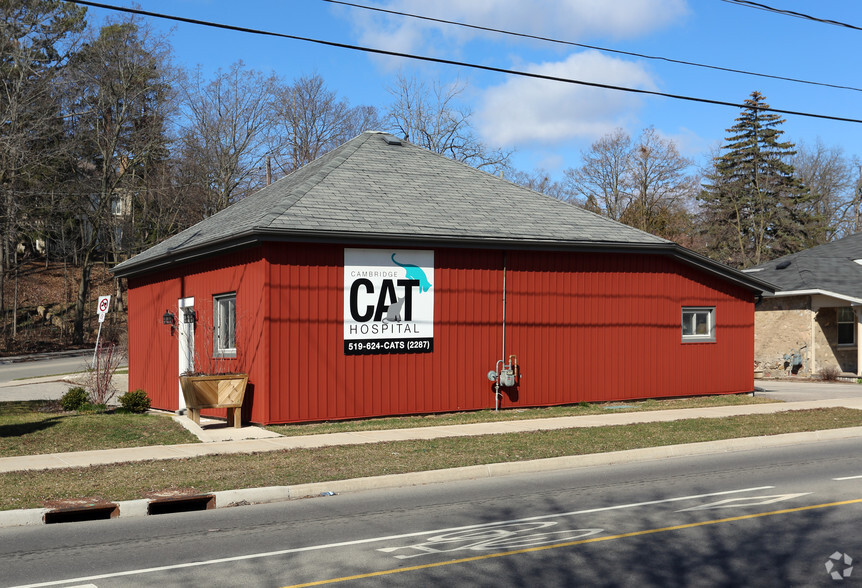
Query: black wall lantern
point(168, 318)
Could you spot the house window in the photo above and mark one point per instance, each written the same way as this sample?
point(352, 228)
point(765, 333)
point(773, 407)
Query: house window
point(846, 326)
point(224, 331)
point(698, 324)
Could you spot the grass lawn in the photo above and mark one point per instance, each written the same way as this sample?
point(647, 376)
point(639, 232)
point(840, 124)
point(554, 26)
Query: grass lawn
point(225, 472)
point(484, 416)
point(35, 427)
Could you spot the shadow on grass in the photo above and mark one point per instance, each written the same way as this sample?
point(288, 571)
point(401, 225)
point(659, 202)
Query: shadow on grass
point(19, 429)
point(8, 411)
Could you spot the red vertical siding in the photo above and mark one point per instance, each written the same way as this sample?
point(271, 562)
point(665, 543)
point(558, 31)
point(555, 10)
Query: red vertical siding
point(153, 346)
point(584, 326)
point(609, 328)
point(314, 380)
point(153, 349)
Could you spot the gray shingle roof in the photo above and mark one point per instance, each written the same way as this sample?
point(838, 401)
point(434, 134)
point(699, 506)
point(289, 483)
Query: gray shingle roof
point(830, 268)
point(371, 190)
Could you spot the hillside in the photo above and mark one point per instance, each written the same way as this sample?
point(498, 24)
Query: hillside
point(45, 301)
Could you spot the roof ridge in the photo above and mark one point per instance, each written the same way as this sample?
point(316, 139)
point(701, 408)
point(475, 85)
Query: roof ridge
point(533, 193)
point(297, 192)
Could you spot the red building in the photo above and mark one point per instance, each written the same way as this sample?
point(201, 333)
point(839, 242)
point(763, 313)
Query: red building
point(384, 279)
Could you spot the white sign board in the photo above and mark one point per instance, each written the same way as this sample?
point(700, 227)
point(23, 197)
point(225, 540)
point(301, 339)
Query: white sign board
point(103, 306)
point(388, 301)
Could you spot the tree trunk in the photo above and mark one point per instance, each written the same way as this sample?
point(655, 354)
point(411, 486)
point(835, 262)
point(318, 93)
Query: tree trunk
point(81, 301)
point(15, 306)
point(4, 255)
point(3, 265)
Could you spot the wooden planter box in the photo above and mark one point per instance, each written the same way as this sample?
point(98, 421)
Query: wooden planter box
point(215, 391)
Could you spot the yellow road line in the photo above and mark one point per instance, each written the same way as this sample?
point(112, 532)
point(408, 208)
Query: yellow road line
point(578, 542)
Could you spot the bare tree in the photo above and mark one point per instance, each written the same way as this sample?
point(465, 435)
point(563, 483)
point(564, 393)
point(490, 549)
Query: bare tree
point(432, 118)
point(854, 216)
point(602, 181)
point(540, 181)
point(36, 37)
point(643, 184)
point(661, 186)
point(226, 138)
point(829, 178)
point(119, 86)
point(311, 120)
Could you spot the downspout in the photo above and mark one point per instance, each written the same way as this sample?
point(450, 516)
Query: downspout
point(497, 393)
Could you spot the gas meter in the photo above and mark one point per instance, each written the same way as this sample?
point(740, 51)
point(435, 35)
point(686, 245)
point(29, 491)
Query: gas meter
point(507, 377)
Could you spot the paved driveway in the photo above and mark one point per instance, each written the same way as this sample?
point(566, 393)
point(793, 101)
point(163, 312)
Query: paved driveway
point(793, 390)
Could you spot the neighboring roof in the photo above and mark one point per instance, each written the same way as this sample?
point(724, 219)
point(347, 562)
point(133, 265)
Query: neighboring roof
point(377, 189)
point(828, 269)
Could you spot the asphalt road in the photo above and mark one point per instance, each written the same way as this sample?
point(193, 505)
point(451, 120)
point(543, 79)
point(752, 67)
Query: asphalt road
point(44, 365)
point(750, 518)
point(42, 377)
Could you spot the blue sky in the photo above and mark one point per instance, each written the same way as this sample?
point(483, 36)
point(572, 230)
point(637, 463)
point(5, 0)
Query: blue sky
point(550, 123)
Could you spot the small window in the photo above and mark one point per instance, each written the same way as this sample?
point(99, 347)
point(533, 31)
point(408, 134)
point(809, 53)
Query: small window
point(224, 332)
point(698, 324)
point(846, 326)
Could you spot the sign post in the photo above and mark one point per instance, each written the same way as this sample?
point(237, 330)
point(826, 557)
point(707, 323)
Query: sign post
point(102, 307)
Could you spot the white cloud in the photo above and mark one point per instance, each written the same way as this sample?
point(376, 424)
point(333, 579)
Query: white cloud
point(527, 110)
point(688, 142)
point(569, 20)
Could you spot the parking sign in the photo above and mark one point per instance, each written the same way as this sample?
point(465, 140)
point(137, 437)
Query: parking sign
point(104, 304)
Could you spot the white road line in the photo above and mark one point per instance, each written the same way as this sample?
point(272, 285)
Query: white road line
point(847, 478)
point(195, 564)
point(745, 501)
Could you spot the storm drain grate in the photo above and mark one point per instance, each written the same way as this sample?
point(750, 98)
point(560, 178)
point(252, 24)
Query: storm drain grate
point(77, 514)
point(181, 504)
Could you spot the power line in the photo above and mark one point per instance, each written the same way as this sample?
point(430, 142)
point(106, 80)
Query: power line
point(455, 63)
point(585, 46)
point(802, 15)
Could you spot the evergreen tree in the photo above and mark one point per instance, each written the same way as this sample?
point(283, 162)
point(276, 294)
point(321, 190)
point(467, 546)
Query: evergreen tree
point(755, 209)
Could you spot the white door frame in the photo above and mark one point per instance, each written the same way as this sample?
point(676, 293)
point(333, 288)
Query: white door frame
point(186, 340)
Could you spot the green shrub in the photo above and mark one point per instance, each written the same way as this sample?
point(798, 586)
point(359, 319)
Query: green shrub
point(74, 399)
point(135, 401)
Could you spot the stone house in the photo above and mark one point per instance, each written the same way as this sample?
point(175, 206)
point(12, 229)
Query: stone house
point(812, 321)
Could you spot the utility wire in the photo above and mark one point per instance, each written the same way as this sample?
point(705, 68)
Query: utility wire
point(456, 63)
point(802, 15)
point(585, 46)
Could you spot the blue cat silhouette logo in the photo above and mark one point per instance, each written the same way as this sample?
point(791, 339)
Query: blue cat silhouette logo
point(414, 272)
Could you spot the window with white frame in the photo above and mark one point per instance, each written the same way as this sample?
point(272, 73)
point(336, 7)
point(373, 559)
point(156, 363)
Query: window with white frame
point(698, 324)
point(224, 330)
point(846, 326)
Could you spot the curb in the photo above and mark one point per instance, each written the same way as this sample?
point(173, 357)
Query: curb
point(270, 494)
